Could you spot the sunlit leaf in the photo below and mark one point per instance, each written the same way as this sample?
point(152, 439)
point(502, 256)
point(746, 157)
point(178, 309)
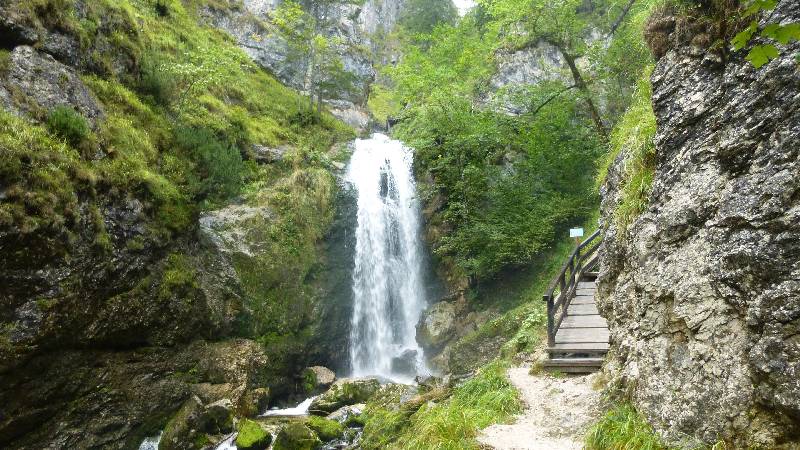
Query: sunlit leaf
point(741, 39)
point(758, 6)
point(761, 54)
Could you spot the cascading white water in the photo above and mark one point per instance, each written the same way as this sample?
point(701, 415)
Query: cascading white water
point(388, 291)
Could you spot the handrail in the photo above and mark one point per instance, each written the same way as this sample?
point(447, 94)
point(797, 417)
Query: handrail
point(567, 285)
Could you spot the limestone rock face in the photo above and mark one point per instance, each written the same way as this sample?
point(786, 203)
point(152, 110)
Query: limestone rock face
point(46, 84)
point(351, 23)
point(702, 291)
point(323, 377)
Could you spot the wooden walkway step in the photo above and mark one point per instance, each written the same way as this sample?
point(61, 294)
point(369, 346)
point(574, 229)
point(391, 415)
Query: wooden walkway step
point(573, 365)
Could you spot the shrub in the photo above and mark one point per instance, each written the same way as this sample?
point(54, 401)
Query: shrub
point(68, 124)
point(155, 82)
point(218, 165)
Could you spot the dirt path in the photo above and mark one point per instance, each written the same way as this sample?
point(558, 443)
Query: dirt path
point(558, 411)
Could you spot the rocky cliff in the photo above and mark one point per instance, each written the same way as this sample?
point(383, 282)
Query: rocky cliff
point(357, 26)
point(126, 292)
point(701, 291)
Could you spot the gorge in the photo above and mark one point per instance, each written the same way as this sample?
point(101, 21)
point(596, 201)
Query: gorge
point(330, 224)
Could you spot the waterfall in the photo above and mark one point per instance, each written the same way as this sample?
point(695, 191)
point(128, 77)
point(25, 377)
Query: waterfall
point(388, 291)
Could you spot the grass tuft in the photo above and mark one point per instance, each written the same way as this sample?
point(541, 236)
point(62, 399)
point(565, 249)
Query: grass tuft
point(623, 428)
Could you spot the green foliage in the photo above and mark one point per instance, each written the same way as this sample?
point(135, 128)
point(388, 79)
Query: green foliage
point(218, 165)
point(622, 428)
point(422, 16)
point(760, 54)
point(381, 103)
point(69, 124)
point(326, 429)
point(450, 423)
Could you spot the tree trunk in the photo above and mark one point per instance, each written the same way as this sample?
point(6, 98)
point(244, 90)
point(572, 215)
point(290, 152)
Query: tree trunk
point(621, 17)
point(581, 84)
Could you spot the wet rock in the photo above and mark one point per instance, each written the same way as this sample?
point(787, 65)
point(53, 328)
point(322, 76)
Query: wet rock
point(296, 436)
point(701, 290)
point(406, 363)
point(345, 391)
point(35, 83)
point(437, 325)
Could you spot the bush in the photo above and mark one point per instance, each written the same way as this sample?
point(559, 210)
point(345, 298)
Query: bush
point(156, 83)
point(218, 165)
point(68, 124)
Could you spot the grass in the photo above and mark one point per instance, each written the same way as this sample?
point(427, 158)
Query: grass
point(444, 422)
point(633, 135)
point(623, 428)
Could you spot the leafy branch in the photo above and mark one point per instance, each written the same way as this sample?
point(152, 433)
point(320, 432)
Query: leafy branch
point(761, 54)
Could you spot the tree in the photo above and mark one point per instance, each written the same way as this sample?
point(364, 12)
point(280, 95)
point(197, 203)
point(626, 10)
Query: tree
point(422, 16)
point(317, 53)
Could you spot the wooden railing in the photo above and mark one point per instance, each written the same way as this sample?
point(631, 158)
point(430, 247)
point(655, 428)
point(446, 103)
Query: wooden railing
point(562, 289)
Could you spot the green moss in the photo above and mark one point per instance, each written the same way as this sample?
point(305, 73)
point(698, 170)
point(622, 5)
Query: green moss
point(326, 429)
point(179, 279)
point(251, 436)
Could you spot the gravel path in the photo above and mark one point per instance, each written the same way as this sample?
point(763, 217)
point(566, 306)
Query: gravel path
point(558, 411)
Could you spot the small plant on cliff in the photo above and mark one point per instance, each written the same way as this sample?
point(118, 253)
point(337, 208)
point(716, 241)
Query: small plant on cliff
point(760, 54)
point(68, 124)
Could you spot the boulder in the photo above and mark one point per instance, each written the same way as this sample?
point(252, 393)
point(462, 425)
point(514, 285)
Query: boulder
point(326, 429)
point(251, 436)
point(268, 155)
point(406, 363)
point(317, 378)
point(437, 325)
point(346, 391)
point(181, 433)
point(296, 436)
point(216, 418)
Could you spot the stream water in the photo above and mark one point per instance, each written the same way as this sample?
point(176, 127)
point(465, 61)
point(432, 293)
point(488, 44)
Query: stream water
point(388, 291)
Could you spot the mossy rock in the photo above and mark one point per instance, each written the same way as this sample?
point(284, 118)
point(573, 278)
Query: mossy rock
point(347, 391)
point(252, 437)
point(326, 429)
point(296, 436)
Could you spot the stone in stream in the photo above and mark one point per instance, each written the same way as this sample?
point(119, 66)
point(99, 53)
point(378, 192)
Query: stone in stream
point(345, 412)
point(194, 422)
point(345, 391)
point(296, 436)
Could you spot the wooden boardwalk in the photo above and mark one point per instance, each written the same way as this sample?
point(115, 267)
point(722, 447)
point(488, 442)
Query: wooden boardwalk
point(577, 334)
